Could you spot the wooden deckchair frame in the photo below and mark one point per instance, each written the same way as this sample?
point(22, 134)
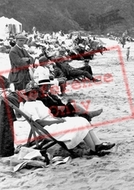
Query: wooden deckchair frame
point(37, 129)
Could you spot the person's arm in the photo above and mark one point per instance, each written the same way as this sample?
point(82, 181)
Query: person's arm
point(19, 62)
point(58, 73)
point(56, 100)
point(30, 60)
point(50, 122)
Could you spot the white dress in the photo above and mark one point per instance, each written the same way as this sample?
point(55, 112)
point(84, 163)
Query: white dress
point(71, 132)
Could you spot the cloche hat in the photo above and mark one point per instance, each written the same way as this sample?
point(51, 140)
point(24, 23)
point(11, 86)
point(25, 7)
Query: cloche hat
point(31, 86)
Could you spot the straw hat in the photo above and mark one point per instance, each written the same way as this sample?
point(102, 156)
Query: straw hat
point(44, 79)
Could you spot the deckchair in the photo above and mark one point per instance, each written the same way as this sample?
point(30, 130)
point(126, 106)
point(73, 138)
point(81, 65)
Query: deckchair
point(38, 136)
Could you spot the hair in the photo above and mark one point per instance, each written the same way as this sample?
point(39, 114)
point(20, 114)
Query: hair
point(27, 93)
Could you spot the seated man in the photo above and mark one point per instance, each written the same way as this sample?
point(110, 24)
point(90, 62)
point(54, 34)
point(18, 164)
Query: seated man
point(57, 73)
point(87, 67)
point(43, 53)
point(84, 65)
point(60, 109)
point(71, 72)
point(70, 130)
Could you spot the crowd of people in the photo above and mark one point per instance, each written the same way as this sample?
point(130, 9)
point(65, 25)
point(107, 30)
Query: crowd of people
point(36, 80)
point(53, 60)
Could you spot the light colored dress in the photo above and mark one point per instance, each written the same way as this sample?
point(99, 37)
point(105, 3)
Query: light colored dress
point(71, 132)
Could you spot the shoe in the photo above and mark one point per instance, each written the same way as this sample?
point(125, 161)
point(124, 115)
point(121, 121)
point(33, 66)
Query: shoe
point(95, 113)
point(96, 80)
point(99, 154)
point(92, 153)
point(103, 153)
point(104, 146)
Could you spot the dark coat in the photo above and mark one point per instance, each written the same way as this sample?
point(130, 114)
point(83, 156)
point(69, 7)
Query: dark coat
point(52, 102)
point(7, 118)
point(19, 74)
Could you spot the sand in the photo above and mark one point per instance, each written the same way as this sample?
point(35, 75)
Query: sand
point(115, 95)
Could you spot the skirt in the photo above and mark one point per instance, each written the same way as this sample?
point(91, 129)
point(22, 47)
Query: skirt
point(71, 132)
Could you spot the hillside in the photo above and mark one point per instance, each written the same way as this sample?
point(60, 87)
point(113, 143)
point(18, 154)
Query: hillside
point(53, 15)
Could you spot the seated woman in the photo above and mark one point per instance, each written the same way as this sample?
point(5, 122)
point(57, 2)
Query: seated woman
point(46, 69)
point(70, 130)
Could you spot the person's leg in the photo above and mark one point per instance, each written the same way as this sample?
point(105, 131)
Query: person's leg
point(89, 142)
point(62, 87)
point(94, 143)
point(80, 73)
point(92, 140)
point(89, 76)
point(79, 109)
point(94, 137)
point(87, 68)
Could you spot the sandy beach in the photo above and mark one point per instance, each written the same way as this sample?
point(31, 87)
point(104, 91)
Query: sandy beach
point(115, 95)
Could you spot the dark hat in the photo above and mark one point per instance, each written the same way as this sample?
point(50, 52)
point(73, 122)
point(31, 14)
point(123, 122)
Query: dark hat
point(31, 86)
point(21, 37)
point(86, 60)
point(44, 48)
point(43, 59)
